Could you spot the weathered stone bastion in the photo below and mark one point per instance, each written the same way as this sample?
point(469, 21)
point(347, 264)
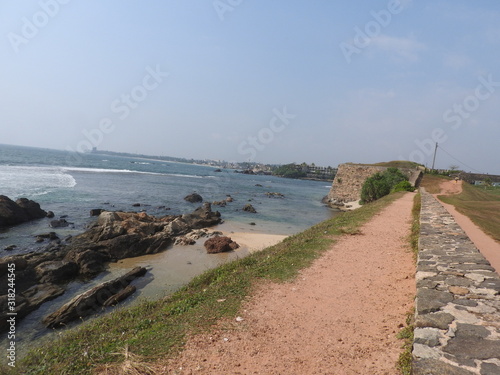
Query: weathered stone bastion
point(457, 327)
point(346, 186)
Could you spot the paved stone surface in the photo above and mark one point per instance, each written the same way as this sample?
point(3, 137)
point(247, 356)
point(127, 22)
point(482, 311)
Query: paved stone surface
point(458, 300)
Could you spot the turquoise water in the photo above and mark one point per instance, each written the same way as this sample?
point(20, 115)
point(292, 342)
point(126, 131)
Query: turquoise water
point(73, 185)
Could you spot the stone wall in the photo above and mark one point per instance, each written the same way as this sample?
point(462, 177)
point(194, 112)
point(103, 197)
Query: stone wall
point(457, 326)
point(346, 186)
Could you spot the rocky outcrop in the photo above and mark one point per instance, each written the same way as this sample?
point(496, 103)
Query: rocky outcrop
point(93, 300)
point(220, 244)
point(249, 208)
point(194, 198)
point(114, 236)
point(349, 180)
point(20, 211)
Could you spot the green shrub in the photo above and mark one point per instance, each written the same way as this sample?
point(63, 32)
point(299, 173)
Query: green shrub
point(403, 186)
point(381, 184)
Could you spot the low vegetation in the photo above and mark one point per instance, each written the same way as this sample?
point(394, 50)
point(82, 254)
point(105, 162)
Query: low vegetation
point(382, 183)
point(158, 329)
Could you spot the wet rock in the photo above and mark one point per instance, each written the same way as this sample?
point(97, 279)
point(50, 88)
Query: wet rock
point(229, 199)
point(10, 247)
point(249, 208)
point(50, 214)
point(136, 205)
point(184, 241)
point(61, 223)
point(20, 211)
point(96, 211)
point(220, 203)
point(91, 301)
point(193, 198)
point(274, 195)
point(218, 244)
point(56, 272)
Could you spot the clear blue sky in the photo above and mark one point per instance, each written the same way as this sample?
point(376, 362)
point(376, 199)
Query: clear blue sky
point(319, 81)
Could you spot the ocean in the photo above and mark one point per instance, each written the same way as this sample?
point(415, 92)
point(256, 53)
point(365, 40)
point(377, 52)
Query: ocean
point(71, 185)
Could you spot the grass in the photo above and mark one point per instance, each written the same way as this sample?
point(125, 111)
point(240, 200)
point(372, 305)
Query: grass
point(481, 204)
point(158, 329)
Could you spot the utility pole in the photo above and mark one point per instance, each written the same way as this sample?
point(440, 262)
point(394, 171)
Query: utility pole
point(434, 160)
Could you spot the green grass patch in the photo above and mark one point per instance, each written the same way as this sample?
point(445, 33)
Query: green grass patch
point(158, 329)
point(406, 334)
point(481, 204)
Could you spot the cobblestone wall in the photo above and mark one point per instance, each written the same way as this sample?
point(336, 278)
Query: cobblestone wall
point(457, 327)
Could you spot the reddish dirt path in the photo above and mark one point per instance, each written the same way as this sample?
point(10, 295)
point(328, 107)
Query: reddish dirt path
point(340, 316)
point(486, 245)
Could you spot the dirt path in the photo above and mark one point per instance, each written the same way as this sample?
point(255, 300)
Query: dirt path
point(340, 316)
point(486, 245)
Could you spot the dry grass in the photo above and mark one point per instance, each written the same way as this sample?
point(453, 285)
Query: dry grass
point(481, 205)
point(431, 183)
point(130, 365)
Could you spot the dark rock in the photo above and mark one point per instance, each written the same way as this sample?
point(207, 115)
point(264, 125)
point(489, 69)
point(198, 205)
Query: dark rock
point(63, 216)
point(252, 223)
point(184, 241)
point(489, 369)
point(10, 247)
point(258, 185)
point(136, 205)
point(193, 198)
point(51, 236)
point(274, 195)
point(28, 301)
point(92, 300)
point(218, 170)
point(89, 262)
point(61, 223)
point(229, 199)
point(120, 296)
point(96, 211)
point(434, 320)
point(249, 208)
point(473, 348)
point(220, 203)
point(429, 300)
point(50, 214)
point(216, 245)
point(471, 330)
point(436, 367)
point(20, 211)
point(202, 217)
point(56, 272)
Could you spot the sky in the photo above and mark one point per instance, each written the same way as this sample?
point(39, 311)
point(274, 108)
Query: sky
point(315, 81)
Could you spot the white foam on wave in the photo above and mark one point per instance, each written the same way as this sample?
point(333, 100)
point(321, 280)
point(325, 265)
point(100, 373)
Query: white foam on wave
point(103, 170)
point(17, 181)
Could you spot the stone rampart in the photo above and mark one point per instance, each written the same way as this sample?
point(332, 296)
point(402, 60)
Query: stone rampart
point(349, 180)
point(457, 326)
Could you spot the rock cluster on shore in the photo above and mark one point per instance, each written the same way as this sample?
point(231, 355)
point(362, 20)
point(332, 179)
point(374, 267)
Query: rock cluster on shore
point(42, 276)
point(20, 211)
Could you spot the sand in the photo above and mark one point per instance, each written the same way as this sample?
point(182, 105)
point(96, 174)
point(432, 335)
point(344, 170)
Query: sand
point(486, 244)
point(340, 316)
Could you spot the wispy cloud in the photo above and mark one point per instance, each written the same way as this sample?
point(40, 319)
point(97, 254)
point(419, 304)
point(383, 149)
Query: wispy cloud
point(456, 61)
point(405, 48)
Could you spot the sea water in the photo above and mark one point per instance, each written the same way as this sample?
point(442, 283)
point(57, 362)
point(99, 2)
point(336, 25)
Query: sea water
point(71, 185)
